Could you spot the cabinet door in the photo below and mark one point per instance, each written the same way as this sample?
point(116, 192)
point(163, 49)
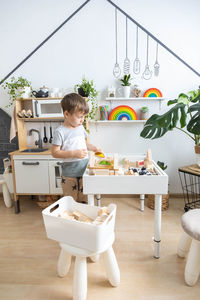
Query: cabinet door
point(31, 176)
point(55, 177)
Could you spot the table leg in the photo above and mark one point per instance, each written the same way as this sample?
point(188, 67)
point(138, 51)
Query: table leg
point(142, 196)
point(157, 224)
point(91, 200)
point(98, 196)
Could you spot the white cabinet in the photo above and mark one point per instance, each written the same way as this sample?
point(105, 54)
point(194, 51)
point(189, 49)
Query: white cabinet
point(55, 177)
point(31, 176)
point(37, 175)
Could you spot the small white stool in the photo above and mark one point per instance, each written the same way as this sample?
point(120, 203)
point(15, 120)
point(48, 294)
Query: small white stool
point(80, 268)
point(6, 194)
point(190, 241)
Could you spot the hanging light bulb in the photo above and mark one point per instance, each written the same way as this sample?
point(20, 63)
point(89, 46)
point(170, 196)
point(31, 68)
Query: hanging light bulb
point(116, 69)
point(136, 63)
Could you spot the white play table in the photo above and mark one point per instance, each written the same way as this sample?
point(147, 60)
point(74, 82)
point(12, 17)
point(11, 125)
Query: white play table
point(129, 184)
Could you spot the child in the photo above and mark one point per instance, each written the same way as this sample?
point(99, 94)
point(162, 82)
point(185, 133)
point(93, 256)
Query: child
point(69, 143)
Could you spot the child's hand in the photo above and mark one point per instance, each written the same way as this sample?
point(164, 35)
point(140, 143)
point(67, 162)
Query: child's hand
point(81, 153)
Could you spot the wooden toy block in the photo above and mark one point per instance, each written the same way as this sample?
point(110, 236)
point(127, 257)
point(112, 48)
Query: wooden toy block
point(101, 171)
point(116, 161)
point(91, 159)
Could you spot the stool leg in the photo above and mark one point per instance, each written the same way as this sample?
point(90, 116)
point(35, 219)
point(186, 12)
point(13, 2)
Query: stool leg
point(111, 267)
point(64, 262)
point(184, 245)
point(6, 195)
point(80, 279)
point(192, 268)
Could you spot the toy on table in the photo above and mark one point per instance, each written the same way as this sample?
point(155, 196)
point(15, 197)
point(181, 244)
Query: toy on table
point(99, 154)
point(111, 166)
point(103, 166)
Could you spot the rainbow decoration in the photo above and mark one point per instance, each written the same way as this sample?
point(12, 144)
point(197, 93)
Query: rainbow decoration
point(123, 112)
point(152, 92)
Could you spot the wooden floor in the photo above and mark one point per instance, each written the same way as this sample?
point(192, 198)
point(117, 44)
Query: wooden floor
point(28, 259)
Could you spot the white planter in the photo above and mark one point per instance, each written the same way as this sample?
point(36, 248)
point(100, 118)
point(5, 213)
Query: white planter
point(25, 92)
point(124, 91)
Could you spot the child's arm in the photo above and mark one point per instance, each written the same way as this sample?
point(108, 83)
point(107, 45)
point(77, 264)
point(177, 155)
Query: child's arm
point(58, 153)
point(93, 148)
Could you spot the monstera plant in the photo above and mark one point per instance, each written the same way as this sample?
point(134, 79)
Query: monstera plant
point(184, 116)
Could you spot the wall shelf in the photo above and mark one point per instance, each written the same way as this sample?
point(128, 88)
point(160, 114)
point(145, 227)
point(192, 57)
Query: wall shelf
point(134, 99)
point(117, 121)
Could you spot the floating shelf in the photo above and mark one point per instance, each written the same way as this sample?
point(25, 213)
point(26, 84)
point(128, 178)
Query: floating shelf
point(134, 99)
point(117, 121)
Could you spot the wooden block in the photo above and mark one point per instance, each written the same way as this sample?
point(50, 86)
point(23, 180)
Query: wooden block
point(91, 159)
point(116, 161)
point(101, 171)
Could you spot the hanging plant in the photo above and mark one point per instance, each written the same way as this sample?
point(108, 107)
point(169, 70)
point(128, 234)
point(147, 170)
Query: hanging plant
point(87, 89)
point(15, 88)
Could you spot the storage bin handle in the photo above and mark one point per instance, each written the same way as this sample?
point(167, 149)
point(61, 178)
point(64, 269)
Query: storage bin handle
point(109, 219)
point(54, 208)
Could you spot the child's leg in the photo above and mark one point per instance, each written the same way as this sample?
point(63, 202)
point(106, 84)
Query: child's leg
point(81, 198)
point(70, 187)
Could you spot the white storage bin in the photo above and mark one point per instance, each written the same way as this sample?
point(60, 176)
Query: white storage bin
point(79, 234)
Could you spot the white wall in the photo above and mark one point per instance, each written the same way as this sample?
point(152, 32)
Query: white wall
point(85, 46)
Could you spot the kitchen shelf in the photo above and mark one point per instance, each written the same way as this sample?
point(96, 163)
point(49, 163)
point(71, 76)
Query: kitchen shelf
point(53, 119)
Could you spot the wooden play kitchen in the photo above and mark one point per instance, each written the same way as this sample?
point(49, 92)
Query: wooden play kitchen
point(120, 178)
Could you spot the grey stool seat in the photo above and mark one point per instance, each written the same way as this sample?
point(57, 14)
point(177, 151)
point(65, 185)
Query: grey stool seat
point(190, 243)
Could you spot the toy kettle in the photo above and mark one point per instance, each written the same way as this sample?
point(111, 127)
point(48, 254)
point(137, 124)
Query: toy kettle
point(42, 93)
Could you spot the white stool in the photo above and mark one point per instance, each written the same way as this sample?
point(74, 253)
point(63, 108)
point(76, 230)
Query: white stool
point(80, 268)
point(6, 194)
point(190, 241)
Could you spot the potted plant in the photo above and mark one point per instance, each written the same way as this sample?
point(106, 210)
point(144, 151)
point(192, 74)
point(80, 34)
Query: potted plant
point(144, 113)
point(165, 198)
point(184, 116)
point(126, 83)
point(17, 88)
point(87, 89)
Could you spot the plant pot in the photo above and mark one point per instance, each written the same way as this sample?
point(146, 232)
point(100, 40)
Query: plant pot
point(144, 115)
point(82, 93)
point(25, 91)
point(197, 151)
point(165, 201)
point(124, 91)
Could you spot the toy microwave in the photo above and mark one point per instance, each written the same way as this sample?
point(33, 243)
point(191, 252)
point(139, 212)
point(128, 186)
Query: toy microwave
point(47, 108)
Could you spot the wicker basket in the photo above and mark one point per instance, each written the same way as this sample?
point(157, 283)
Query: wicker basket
point(165, 201)
point(50, 199)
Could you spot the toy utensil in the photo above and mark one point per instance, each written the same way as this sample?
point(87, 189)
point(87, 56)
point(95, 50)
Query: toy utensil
point(45, 139)
point(51, 137)
point(99, 154)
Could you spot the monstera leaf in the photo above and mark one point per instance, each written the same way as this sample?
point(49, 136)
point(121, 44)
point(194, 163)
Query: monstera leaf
point(194, 123)
point(156, 126)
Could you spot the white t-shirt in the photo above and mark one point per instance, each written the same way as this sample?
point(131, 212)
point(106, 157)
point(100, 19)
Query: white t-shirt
point(70, 139)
